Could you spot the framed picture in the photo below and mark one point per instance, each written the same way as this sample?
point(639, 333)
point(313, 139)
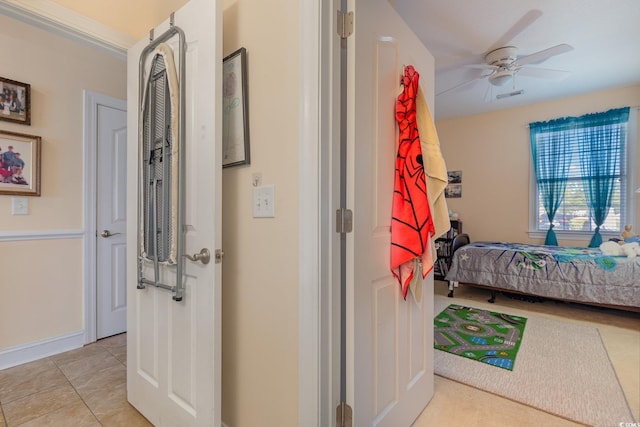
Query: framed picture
point(455, 177)
point(235, 117)
point(19, 164)
point(453, 191)
point(15, 101)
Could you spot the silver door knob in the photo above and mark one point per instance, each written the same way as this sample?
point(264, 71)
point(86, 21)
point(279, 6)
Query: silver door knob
point(204, 256)
point(107, 233)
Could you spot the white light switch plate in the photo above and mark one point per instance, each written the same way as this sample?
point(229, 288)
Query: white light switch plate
point(264, 202)
point(19, 206)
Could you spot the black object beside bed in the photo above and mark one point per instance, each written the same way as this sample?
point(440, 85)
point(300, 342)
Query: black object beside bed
point(582, 275)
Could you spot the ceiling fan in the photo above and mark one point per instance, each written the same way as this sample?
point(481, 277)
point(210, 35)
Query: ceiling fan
point(501, 62)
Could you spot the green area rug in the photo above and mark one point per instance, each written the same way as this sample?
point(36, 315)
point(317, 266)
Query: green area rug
point(486, 336)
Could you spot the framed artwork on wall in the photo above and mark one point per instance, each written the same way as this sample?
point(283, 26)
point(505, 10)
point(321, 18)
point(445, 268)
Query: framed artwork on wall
point(454, 187)
point(19, 164)
point(15, 101)
point(235, 112)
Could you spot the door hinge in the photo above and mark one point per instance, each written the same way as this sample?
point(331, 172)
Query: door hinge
point(344, 415)
point(344, 220)
point(345, 24)
point(219, 254)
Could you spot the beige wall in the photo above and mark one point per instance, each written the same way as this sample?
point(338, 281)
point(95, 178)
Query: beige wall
point(260, 270)
point(42, 287)
point(260, 274)
point(492, 151)
point(131, 17)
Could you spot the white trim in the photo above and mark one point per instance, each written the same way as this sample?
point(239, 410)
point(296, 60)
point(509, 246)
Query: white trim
point(18, 355)
point(309, 216)
point(632, 158)
point(90, 188)
point(319, 175)
point(21, 235)
point(571, 235)
point(52, 17)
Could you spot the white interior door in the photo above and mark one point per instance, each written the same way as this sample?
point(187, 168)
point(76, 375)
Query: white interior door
point(111, 216)
point(389, 340)
point(174, 348)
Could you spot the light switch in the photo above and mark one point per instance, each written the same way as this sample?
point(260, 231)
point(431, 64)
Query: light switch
point(19, 206)
point(264, 202)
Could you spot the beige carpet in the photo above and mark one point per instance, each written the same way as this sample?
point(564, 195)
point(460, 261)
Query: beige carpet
point(562, 368)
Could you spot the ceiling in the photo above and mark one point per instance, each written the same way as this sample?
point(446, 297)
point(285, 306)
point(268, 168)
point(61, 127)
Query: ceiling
point(604, 34)
point(131, 17)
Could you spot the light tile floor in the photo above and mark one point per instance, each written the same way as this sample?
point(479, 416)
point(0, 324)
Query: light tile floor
point(83, 387)
point(455, 404)
point(87, 386)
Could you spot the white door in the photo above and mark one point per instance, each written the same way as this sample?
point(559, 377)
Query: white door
point(389, 340)
point(174, 348)
point(111, 216)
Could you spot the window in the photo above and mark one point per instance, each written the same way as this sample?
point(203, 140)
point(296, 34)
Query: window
point(580, 166)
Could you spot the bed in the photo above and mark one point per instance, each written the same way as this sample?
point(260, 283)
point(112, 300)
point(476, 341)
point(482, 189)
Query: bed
point(583, 275)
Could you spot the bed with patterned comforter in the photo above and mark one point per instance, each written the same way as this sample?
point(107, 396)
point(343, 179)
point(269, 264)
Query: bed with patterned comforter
point(583, 275)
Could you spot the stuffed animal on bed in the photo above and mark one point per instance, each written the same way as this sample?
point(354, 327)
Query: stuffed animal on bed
point(612, 248)
point(628, 236)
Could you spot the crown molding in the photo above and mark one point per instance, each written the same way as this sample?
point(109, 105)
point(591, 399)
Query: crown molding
point(54, 18)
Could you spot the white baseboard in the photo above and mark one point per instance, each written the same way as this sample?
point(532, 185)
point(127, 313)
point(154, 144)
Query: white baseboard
point(18, 355)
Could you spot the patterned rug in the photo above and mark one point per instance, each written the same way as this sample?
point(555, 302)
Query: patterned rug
point(563, 368)
point(486, 336)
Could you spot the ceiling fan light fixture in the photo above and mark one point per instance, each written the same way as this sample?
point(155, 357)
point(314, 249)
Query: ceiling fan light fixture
point(501, 77)
point(502, 56)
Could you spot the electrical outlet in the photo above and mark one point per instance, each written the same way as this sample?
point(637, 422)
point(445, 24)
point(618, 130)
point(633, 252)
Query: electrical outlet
point(19, 206)
point(264, 202)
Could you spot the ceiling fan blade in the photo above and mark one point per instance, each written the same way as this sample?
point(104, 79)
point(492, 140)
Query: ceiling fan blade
point(543, 73)
point(450, 63)
point(524, 22)
point(463, 84)
point(488, 94)
point(536, 58)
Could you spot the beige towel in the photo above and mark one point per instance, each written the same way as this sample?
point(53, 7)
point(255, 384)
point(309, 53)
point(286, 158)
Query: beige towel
point(434, 166)
point(436, 175)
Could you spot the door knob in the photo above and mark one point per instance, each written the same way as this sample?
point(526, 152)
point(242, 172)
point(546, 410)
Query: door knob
point(204, 256)
point(107, 233)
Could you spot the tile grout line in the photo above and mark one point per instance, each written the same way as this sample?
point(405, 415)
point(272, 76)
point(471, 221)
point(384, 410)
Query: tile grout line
point(4, 419)
point(78, 393)
point(51, 388)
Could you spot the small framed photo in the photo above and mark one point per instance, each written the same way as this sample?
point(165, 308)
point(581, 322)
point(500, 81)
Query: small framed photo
point(19, 164)
point(235, 112)
point(15, 101)
point(453, 191)
point(455, 177)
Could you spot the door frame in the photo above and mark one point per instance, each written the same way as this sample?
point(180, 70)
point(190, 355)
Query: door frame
point(319, 178)
point(90, 183)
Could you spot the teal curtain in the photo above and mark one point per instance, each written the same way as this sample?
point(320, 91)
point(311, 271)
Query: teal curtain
point(551, 153)
point(599, 140)
point(600, 147)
